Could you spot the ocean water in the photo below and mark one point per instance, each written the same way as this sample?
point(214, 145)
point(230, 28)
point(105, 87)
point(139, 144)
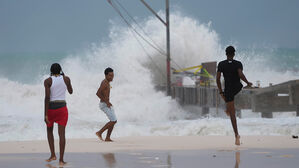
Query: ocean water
point(141, 110)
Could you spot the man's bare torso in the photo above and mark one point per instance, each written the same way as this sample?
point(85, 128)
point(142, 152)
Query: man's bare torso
point(105, 91)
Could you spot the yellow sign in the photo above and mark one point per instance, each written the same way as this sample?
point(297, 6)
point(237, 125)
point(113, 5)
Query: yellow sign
point(197, 69)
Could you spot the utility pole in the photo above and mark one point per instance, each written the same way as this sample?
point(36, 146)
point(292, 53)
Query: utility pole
point(168, 87)
point(168, 49)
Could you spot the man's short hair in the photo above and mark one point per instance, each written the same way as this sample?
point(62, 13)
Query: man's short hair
point(55, 68)
point(107, 70)
point(230, 50)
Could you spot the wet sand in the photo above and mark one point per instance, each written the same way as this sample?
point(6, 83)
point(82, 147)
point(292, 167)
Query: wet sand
point(272, 158)
point(135, 152)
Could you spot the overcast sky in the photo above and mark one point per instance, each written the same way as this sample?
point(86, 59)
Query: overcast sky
point(68, 25)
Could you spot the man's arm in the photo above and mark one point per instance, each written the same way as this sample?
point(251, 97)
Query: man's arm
point(218, 81)
point(47, 84)
point(67, 81)
point(218, 77)
point(102, 93)
point(242, 76)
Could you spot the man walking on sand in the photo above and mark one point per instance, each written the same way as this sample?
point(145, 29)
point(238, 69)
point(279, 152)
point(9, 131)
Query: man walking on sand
point(232, 71)
point(104, 94)
point(55, 108)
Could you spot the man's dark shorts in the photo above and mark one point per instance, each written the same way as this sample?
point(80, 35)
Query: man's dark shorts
point(231, 92)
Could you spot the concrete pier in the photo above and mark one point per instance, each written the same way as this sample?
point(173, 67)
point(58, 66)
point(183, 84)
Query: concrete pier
point(282, 97)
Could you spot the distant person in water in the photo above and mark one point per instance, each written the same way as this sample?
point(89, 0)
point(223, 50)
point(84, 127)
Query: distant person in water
point(55, 108)
point(232, 71)
point(105, 105)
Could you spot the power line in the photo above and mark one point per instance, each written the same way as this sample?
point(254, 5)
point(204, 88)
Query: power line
point(161, 51)
point(145, 32)
point(132, 31)
point(156, 66)
point(140, 27)
point(130, 26)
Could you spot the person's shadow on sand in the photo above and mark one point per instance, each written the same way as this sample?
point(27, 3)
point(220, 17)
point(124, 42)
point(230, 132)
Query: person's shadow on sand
point(109, 159)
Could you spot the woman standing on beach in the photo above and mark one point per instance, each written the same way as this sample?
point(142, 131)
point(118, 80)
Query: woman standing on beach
point(55, 108)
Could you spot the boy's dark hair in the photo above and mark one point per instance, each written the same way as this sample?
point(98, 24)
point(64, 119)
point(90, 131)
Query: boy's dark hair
point(107, 70)
point(230, 50)
point(55, 69)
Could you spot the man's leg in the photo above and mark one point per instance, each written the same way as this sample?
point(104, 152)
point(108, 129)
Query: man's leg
point(100, 132)
point(51, 143)
point(231, 110)
point(61, 132)
point(110, 128)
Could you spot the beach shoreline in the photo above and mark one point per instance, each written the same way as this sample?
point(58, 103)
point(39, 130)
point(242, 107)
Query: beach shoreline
point(163, 143)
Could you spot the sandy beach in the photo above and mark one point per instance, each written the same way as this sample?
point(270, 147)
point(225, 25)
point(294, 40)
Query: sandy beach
point(158, 151)
point(154, 143)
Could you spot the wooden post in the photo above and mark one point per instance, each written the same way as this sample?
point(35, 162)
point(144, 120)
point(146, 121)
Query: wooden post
point(205, 110)
point(205, 107)
point(168, 49)
point(166, 23)
point(267, 115)
point(238, 113)
point(217, 102)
